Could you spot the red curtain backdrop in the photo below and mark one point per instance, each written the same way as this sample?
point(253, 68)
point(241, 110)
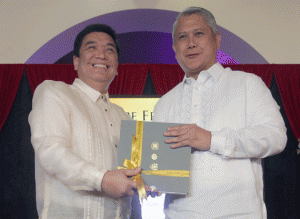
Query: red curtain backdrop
point(132, 77)
point(37, 73)
point(130, 80)
point(10, 77)
point(288, 81)
point(165, 77)
point(265, 71)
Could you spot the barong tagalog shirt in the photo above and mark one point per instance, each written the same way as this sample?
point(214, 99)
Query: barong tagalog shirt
point(75, 134)
point(246, 125)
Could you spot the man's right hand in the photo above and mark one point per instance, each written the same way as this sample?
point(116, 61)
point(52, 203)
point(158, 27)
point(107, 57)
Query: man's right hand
point(117, 184)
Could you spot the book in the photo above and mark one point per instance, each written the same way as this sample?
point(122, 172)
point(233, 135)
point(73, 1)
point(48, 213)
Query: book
point(156, 155)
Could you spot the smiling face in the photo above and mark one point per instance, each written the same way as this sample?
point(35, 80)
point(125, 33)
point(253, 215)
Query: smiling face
point(195, 45)
point(98, 61)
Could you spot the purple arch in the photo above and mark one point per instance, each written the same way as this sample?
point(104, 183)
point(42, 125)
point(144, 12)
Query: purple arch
point(145, 21)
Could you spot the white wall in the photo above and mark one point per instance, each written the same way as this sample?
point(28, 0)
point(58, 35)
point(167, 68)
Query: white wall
point(272, 27)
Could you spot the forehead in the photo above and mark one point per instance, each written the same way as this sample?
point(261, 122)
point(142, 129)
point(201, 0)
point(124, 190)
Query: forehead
point(98, 37)
point(191, 22)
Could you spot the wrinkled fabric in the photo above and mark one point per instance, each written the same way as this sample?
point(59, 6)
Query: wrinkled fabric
point(246, 125)
point(75, 134)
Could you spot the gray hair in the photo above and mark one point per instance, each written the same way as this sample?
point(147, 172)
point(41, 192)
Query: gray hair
point(208, 16)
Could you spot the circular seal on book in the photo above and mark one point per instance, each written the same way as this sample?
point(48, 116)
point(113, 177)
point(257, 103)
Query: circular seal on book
point(154, 166)
point(154, 156)
point(155, 146)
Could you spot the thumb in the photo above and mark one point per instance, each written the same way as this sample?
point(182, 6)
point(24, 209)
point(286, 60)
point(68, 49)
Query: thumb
point(133, 172)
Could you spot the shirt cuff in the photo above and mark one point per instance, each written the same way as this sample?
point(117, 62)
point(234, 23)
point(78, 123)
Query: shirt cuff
point(218, 144)
point(97, 178)
point(92, 181)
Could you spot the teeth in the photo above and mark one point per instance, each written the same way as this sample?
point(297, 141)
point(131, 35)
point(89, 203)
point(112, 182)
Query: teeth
point(99, 66)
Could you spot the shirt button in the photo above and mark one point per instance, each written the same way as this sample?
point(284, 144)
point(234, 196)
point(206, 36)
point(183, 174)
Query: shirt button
point(110, 124)
point(196, 106)
point(116, 145)
point(105, 110)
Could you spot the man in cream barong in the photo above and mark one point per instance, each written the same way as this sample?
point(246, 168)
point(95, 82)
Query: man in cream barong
point(75, 133)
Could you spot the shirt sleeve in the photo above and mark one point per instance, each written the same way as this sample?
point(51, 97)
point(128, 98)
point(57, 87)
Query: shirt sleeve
point(51, 139)
point(265, 132)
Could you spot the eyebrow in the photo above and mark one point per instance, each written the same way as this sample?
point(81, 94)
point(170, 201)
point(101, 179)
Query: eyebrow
point(111, 44)
point(195, 30)
point(93, 42)
point(89, 42)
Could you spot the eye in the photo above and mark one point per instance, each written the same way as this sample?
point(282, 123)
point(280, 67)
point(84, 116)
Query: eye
point(91, 47)
point(111, 49)
point(198, 33)
point(182, 36)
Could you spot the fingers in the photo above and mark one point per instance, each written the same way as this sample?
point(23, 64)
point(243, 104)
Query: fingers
point(173, 132)
point(189, 135)
point(181, 140)
point(131, 185)
point(179, 127)
point(117, 184)
point(133, 172)
point(178, 130)
point(180, 144)
point(177, 139)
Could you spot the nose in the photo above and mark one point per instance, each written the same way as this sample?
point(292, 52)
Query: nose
point(100, 54)
point(191, 42)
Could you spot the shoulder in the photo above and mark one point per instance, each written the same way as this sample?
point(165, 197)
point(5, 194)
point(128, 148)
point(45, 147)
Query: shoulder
point(172, 93)
point(49, 85)
point(53, 89)
point(241, 77)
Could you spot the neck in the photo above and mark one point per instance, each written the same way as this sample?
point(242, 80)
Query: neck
point(196, 74)
point(191, 75)
point(102, 87)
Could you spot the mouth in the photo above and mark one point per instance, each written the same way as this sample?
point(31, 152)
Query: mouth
point(192, 56)
point(100, 66)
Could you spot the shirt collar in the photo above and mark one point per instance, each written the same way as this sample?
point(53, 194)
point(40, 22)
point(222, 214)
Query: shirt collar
point(93, 94)
point(188, 81)
point(214, 71)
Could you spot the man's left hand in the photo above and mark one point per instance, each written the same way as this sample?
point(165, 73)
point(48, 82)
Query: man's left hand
point(189, 135)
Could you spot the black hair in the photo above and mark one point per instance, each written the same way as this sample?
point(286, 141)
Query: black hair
point(95, 28)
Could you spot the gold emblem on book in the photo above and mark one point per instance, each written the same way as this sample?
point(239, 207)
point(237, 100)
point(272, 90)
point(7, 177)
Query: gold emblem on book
point(154, 166)
point(154, 156)
point(155, 146)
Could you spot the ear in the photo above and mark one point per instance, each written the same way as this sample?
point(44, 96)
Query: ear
point(75, 62)
point(218, 39)
point(174, 49)
point(117, 67)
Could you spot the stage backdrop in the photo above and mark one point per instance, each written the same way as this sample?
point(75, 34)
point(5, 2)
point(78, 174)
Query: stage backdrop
point(144, 39)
